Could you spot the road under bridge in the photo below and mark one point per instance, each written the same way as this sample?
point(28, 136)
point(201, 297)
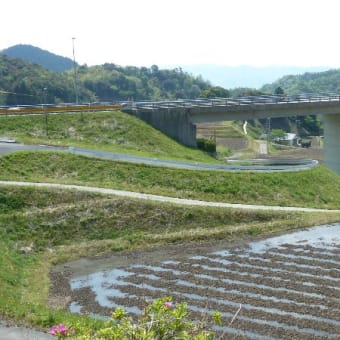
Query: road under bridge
point(178, 118)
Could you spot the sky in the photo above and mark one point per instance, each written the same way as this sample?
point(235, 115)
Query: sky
point(178, 32)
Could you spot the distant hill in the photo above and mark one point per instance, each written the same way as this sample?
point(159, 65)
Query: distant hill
point(327, 81)
point(39, 56)
point(246, 76)
point(23, 82)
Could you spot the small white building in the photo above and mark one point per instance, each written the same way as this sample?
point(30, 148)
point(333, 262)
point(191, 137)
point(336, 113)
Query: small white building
point(288, 139)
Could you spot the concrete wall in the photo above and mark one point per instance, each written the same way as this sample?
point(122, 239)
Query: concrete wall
point(175, 123)
point(332, 142)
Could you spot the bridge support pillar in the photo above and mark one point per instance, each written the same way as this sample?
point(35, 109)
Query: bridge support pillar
point(175, 123)
point(332, 142)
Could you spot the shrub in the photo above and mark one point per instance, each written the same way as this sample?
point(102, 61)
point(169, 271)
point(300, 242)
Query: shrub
point(160, 320)
point(206, 144)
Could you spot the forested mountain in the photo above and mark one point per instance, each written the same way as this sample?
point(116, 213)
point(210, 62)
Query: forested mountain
point(110, 81)
point(23, 82)
point(26, 83)
point(328, 81)
point(39, 56)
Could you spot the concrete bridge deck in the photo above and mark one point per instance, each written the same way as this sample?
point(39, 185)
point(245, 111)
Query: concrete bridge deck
point(177, 118)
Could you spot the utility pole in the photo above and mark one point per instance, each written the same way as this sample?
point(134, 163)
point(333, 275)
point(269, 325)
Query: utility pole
point(75, 73)
point(45, 109)
point(268, 127)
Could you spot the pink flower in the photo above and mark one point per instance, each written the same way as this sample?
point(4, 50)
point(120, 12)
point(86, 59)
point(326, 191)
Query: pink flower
point(168, 304)
point(53, 330)
point(60, 330)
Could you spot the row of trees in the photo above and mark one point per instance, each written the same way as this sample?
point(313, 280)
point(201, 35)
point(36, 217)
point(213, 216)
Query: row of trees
point(327, 81)
point(112, 81)
point(26, 83)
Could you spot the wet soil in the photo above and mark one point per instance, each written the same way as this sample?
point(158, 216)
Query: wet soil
point(310, 153)
point(288, 289)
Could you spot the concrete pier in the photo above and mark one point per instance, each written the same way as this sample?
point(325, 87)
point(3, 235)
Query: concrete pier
point(174, 122)
point(332, 142)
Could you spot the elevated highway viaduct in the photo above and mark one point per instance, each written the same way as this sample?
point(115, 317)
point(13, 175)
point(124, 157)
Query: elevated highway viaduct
point(178, 118)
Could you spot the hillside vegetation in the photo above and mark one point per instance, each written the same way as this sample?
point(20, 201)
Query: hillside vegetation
point(109, 131)
point(318, 187)
point(61, 225)
point(319, 82)
point(38, 56)
point(120, 132)
point(25, 83)
point(22, 82)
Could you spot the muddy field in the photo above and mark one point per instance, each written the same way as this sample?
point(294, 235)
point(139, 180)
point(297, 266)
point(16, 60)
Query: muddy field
point(288, 287)
point(310, 153)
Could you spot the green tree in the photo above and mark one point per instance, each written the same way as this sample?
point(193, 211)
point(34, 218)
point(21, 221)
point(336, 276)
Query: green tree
point(279, 91)
point(215, 92)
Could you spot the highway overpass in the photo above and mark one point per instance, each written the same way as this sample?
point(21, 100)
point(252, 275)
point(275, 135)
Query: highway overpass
point(178, 118)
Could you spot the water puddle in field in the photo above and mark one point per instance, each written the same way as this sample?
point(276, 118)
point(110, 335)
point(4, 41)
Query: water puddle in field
point(292, 281)
point(325, 237)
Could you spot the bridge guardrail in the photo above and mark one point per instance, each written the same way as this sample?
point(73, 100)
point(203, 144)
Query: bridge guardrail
point(232, 101)
point(48, 108)
point(171, 104)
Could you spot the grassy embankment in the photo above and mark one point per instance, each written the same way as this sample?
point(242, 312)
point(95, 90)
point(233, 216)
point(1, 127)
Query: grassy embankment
point(60, 225)
point(108, 131)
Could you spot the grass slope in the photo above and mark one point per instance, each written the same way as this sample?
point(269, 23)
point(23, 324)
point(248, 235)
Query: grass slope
point(61, 225)
point(318, 187)
point(110, 131)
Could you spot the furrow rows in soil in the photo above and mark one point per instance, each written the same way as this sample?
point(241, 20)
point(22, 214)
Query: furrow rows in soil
point(220, 291)
point(263, 323)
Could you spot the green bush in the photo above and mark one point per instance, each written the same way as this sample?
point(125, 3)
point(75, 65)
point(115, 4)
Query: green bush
point(9, 203)
point(206, 144)
point(160, 320)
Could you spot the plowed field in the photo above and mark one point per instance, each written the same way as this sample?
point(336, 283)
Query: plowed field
point(287, 287)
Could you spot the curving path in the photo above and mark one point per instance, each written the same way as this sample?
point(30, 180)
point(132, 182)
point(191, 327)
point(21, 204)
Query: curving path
point(259, 165)
point(174, 200)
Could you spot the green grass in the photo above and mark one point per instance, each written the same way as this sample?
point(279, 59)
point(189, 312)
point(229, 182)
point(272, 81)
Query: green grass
point(110, 131)
point(49, 218)
point(318, 187)
point(63, 225)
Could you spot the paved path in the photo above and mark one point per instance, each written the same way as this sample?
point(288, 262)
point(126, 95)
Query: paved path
point(21, 333)
point(174, 200)
point(258, 165)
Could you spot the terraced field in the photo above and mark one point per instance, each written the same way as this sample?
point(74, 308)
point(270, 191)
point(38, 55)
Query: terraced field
point(286, 287)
